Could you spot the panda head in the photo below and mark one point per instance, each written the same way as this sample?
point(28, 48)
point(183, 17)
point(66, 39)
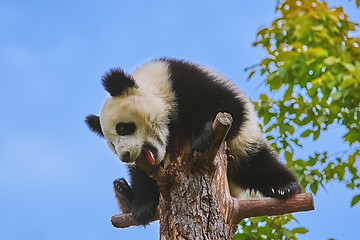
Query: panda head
point(133, 120)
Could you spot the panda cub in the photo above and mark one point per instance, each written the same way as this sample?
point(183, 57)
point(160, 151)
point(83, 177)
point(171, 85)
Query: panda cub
point(143, 107)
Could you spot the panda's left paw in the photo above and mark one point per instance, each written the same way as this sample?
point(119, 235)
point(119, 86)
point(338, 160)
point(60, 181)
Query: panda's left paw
point(286, 191)
point(202, 145)
point(202, 141)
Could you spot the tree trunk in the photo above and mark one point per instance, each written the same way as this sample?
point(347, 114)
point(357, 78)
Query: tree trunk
point(192, 195)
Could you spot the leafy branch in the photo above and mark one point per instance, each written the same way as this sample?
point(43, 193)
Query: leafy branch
point(312, 71)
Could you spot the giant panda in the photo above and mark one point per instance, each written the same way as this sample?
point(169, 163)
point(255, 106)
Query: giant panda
point(143, 107)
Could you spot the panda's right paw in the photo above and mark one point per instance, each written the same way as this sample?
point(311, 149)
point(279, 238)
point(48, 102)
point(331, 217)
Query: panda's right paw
point(144, 212)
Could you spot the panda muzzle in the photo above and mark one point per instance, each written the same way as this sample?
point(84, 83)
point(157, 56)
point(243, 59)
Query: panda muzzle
point(126, 157)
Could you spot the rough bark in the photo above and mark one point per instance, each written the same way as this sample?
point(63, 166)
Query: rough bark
point(191, 203)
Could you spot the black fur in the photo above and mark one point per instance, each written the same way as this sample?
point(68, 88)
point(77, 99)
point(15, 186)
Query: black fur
point(200, 97)
point(93, 123)
point(116, 81)
point(145, 196)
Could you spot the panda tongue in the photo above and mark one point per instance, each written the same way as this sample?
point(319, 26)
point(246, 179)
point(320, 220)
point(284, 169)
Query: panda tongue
point(149, 156)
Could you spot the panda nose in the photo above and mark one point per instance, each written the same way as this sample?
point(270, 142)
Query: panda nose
point(126, 157)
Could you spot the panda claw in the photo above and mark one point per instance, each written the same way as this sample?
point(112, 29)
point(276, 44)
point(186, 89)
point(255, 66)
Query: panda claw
point(286, 191)
point(229, 156)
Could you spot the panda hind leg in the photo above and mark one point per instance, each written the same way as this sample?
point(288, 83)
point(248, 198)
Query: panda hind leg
point(262, 171)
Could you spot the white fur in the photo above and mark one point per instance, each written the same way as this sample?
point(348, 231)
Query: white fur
point(151, 124)
point(150, 106)
point(250, 132)
point(154, 77)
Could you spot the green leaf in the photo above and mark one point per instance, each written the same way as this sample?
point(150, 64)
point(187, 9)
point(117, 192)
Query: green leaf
point(349, 67)
point(355, 200)
point(352, 159)
point(340, 171)
point(288, 156)
point(329, 78)
point(317, 81)
point(319, 52)
point(306, 133)
point(321, 119)
point(271, 128)
point(331, 60)
point(267, 117)
point(352, 136)
point(300, 230)
point(291, 130)
point(310, 179)
point(274, 81)
point(251, 75)
point(284, 127)
point(314, 187)
point(288, 93)
point(316, 134)
point(317, 28)
point(297, 142)
point(312, 161)
point(348, 81)
point(336, 95)
point(264, 97)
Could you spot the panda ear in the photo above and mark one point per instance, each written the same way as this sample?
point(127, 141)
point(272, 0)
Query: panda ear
point(116, 81)
point(93, 123)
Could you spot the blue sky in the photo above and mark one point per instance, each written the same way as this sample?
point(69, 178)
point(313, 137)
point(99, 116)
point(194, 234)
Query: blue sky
point(55, 175)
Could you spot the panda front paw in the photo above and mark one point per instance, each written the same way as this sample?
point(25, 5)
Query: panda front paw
point(202, 141)
point(123, 194)
point(123, 189)
point(144, 212)
point(202, 145)
point(286, 191)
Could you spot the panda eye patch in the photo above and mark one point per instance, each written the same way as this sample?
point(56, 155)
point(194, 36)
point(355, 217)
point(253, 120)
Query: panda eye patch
point(124, 129)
